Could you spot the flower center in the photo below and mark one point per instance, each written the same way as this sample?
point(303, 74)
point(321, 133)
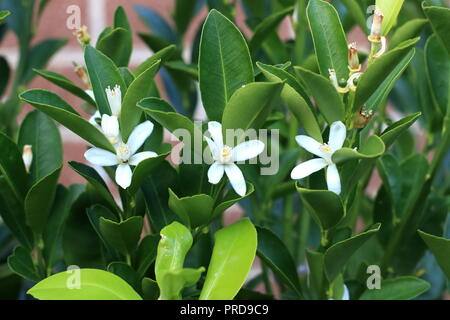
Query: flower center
point(226, 155)
point(325, 148)
point(123, 153)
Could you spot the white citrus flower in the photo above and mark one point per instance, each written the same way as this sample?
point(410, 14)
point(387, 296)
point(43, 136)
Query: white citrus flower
point(125, 155)
point(225, 158)
point(325, 151)
point(27, 157)
point(110, 128)
point(114, 99)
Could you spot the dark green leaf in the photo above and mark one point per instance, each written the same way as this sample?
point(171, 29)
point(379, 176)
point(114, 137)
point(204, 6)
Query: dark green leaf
point(124, 235)
point(401, 288)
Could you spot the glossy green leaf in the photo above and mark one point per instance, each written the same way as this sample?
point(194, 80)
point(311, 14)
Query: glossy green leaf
point(103, 73)
point(114, 46)
point(232, 257)
point(139, 89)
point(65, 83)
point(12, 167)
point(438, 73)
point(325, 95)
point(275, 254)
point(267, 27)
point(258, 98)
point(150, 289)
point(145, 254)
point(39, 131)
point(390, 10)
point(295, 98)
point(231, 198)
point(39, 201)
point(123, 235)
point(184, 12)
point(325, 206)
point(194, 211)
point(3, 15)
point(143, 169)
point(382, 92)
point(164, 55)
point(127, 273)
point(329, 38)
point(56, 108)
point(440, 247)
point(401, 288)
point(163, 113)
point(409, 30)
point(379, 70)
point(173, 281)
point(93, 284)
point(397, 128)
point(21, 263)
point(370, 149)
point(338, 254)
point(224, 63)
point(439, 17)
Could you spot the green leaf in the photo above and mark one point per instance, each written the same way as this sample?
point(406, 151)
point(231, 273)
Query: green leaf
point(325, 206)
point(39, 201)
point(103, 73)
point(440, 247)
point(354, 9)
point(176, 240)
point(194, 211)
point(325, 95)
point(329, 38)
point(295, 98)
point(275, 254)
point(438, 73)
point(232, 257)
point(145, 254)
point(316, 266)
point(5, 71)
point(410, 29)
point(150, 289)
point(139, 89)
point(401, 288)
point(163, 55)
point(93, 284)
point(439, 17)
point(258, 98)
point(39, 131)
point(12, 167)
point(114, 46)
point(224, 63)
point(231, 198)
point(379, 70)
point(184, 12)
point(13, 215)
point(143, 169)
point(268, 26)
point(370, 149)
point(66, 84)
point(21, 263)
point(40, 55)
point(56, 108)
point(123, 235)
point(382, 92)
point(338, 254)
point(95, 180)
point(397, 128)
point(390, 10)
point(3, 15)
point(162, 112)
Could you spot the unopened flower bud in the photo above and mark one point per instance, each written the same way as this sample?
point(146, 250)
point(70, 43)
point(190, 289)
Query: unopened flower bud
point(83, 35)
point(362, 118)
point(377, 23)
point(27, 156)
point(353, 59)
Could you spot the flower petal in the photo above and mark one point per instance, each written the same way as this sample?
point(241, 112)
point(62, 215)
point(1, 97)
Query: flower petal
point(139, 135)
point(114, 99)
point(215, 173)
point(310, 145)
point(213, 148)
point(338, 133)
point(110, 128)
point(304, 169)
point(96, 115)
point(123, 175)
point(101, 157)
point(141, 156)
point(248, 150)
point(236, 178)
point(215, 129)
point(333, 179)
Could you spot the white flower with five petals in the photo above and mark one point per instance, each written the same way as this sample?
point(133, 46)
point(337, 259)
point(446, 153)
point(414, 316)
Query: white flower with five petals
point(125, 155)
point(225, 158)
point(325, 151)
